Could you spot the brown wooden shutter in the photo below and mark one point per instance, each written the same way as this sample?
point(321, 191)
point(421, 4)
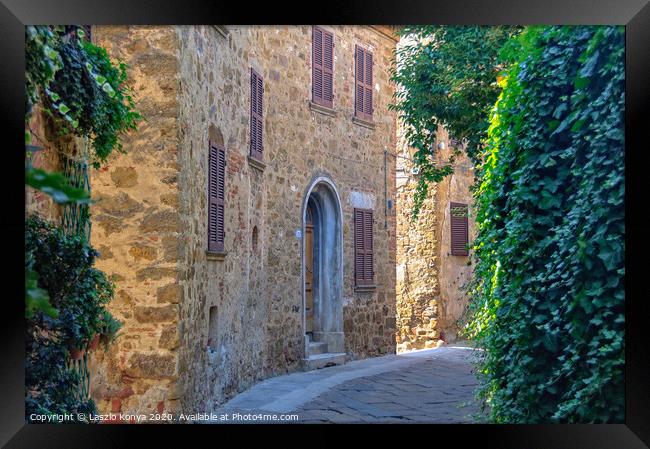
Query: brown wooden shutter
point(359, 81)
point(257, 136)
point(459, 229)
point(363, 247)
point(363, 83)
point(322, 67)
point(216, 195)
point(367, 101)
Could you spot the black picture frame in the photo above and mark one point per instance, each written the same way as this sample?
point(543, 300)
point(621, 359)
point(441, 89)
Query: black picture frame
point(634, 14)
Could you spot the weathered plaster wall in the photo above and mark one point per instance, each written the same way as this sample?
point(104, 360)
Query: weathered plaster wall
point(256, 291)
point(430, 298)
point(136, 228)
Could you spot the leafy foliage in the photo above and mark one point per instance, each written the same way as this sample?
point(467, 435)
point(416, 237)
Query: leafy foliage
point(42, 61)
point(78, 86)
point(79, 292)
point(446, 76)
point(55, 185)
point(82, 88)
point(548, 290)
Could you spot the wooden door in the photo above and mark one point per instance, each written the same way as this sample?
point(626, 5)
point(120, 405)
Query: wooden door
point(309, 273)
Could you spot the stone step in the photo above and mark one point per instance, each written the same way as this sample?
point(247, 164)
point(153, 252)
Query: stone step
point(316, 347)
point(318, 361)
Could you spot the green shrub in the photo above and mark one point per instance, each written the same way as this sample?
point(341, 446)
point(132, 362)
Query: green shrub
point(548, 291)
point(80, 292)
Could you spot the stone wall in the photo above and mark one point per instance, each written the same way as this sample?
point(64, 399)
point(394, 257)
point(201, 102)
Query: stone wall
point(136, 229)
point(192, 83)
point(430, 299)
point(252, 299)
point(454, 271)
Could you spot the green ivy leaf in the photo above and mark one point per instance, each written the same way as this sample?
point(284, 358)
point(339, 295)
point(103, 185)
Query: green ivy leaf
point(577, 125)
point(581, 82)
point(100, 79)
point(108, 89)
point(63, 109)
point(50, 52)
point(55, 185)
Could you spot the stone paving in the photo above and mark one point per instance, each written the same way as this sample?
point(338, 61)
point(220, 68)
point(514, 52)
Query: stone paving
point(427, 386)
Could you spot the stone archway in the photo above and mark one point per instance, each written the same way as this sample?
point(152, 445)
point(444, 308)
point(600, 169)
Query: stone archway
point(322, 213)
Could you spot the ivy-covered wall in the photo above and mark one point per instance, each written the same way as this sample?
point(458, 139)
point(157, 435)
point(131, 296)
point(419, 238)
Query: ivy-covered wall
point(549, 286)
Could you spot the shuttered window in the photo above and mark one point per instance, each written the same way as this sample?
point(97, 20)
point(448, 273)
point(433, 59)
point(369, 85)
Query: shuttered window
point(363, 250)
point(322, 67)
point(459, 229)
point(257, 92)
point(363, 83)
point(216, 197)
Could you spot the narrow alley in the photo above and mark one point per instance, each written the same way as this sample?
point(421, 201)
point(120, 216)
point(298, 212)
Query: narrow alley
point(426, 386)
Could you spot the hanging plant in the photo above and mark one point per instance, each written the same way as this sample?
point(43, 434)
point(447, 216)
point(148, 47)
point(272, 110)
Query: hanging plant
point(80, 88)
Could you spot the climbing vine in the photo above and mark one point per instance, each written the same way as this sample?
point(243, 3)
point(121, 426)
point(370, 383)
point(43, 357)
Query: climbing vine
point(85, 94)
point(548, 291)
point(446, 75)
point(79, 87)
point(79, 292)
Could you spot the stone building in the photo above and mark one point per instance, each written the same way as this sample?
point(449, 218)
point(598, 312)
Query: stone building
point(432, 271)
point(258, 222)
point(283, 287)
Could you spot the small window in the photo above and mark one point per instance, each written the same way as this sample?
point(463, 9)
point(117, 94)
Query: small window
point(216, 196)
point(363, 247)
point(322, 67)
point(459, 229)
point(257, 136)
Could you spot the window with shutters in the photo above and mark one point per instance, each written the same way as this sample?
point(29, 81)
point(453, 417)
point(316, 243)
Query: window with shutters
point(257, 139)
point(322, 67)
point(216, 198)
point(363, 104)
point(459, 229)
point(363, 248)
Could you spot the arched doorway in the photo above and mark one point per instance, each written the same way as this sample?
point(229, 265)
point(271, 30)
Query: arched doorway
point(322, 270)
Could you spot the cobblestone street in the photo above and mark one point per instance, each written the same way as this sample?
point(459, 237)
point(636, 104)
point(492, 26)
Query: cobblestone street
point(427, 386)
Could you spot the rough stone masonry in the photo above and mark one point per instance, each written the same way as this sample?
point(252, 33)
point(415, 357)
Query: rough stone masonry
point(192, 83)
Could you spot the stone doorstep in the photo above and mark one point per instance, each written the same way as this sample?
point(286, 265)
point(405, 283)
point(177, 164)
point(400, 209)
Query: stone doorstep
point(318, 361)
point(316, 347)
